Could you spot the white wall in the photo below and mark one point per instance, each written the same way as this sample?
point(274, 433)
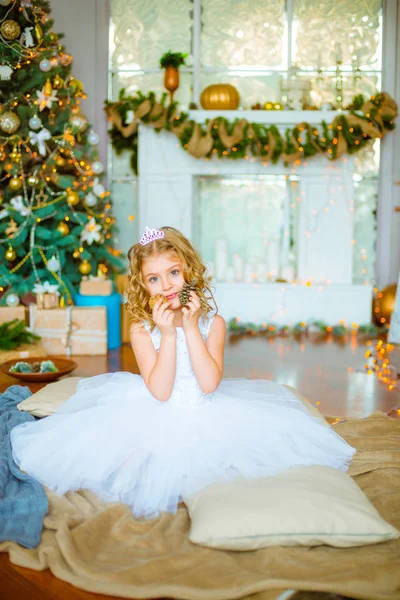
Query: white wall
point(85, 25)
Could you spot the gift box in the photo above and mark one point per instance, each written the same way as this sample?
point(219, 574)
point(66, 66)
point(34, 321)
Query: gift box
point(8, 313)
point(23, 351)
point(71, 330)
point(96, 286)
point(47, 295)
point(122, 285)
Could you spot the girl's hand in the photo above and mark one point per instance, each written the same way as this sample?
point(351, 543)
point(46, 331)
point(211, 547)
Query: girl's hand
point(191, 312)
point(163, 317)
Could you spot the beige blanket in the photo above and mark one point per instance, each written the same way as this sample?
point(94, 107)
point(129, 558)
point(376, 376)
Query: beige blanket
point(99, 547)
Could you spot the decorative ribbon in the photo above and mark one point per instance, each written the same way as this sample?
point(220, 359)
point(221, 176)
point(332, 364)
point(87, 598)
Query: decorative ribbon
point(39, 139)
point(45, 288)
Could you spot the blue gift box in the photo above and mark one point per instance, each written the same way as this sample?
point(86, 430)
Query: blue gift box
point(113, 306)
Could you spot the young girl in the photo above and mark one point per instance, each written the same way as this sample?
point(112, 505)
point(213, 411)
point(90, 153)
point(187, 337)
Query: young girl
point(150, 440)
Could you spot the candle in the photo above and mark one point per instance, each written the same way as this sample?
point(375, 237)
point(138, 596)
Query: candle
point(338, 53)
point(288, 273)
point(273, 257)
point(230, 274)
point(238, 264)
point(221, 259)
point(262, 272)
point(248, 272)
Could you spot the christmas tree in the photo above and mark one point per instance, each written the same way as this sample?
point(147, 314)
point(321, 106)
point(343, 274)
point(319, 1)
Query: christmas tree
point(55, 214)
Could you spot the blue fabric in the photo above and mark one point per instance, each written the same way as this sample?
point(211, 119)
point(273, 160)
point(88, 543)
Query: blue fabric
point(23, 501)
point(113, 306)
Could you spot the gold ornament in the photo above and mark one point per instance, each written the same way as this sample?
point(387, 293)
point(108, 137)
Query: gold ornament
point(60, 161)
point(38, 32)
point(78, 120)
point(12, 228)
point(269, 106)
point(9, 122)
point(58, 81)
point(53, 36)
point(73, 198)
point(65, 59)
point(76, 86)
point(15, 183)
point(63, 228)
point(10, 29)
point(220, 96)
point(10, 254)
point(383, 304)
point(278, 106)
point(76, 254)
point(171, 80)
point(48, 88)
point(85, 267)
point(15, 156)
point(2, 155)
point(33, 180)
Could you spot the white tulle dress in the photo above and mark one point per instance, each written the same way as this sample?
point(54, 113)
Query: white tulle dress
point(114, 438)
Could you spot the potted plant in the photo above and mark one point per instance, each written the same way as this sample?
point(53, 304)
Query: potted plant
point(171, 61)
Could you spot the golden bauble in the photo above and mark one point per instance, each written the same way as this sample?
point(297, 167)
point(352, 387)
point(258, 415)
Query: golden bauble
point(78, 120)
point(9, 122)
point(15, 156)
point(85, 267)
point(220, 96)
point(58, 81)
point(63, 228)
point(76, 85)
point(73, 198)
point(32, 180)
point(269, 106)
point(76, 254)
point(10, 254)
point(15, 183)
point(10, 29)
point(53, 36)
point(60, 161)
point(384, 301)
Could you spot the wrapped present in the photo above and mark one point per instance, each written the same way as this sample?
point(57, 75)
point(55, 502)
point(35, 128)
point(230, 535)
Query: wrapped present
point(23, 351)
point(9, 313)
point(71, 330)
point(96, 286)
point(47, 295)
point(122, 285)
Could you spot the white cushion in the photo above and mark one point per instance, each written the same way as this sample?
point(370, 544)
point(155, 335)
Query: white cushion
point(46, 401)
point(304, 506)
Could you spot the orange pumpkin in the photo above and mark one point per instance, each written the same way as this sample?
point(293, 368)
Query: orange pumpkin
point(220, 96)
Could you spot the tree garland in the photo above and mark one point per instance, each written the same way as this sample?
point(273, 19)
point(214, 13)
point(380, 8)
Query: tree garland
point(239, 139)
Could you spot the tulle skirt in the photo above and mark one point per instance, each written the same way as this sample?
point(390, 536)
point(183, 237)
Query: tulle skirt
point(114, 438)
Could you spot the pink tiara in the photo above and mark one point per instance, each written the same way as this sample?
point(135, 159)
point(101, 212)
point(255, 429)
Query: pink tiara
point(150, 235)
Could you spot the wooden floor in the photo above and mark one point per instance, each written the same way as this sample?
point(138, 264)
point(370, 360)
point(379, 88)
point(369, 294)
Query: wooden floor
point(331, 375)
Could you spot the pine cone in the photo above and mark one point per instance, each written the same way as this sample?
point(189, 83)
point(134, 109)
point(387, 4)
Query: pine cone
point(184, 294)
point(154, 299)
point(36, 367)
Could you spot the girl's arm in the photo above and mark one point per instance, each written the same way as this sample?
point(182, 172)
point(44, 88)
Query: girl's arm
point(157, 368)
point(207, 358)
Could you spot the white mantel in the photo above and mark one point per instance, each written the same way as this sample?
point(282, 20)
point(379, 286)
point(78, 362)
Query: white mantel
point(167, 197)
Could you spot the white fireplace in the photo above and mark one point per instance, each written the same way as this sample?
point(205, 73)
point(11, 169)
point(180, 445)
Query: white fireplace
point(323, 287)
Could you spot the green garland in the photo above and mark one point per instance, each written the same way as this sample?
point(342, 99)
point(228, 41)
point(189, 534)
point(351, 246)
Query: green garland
point(13, 334)
point(318, 327)
point(240, 139)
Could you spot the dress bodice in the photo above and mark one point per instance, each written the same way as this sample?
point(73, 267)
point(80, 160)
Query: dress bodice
point(186, 391)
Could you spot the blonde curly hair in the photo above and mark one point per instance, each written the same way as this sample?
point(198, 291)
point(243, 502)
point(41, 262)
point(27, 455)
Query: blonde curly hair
point(173, 242)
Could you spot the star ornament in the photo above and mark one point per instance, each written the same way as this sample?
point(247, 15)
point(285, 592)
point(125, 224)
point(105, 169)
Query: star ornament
point(91, 233)
point(45, 100)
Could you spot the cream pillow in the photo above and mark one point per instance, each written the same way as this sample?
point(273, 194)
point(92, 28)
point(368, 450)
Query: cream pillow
point(304, 506)
point(46, 401)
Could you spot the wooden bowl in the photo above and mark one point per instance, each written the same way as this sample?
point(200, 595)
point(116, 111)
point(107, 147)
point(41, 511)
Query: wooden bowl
point(63, 365)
